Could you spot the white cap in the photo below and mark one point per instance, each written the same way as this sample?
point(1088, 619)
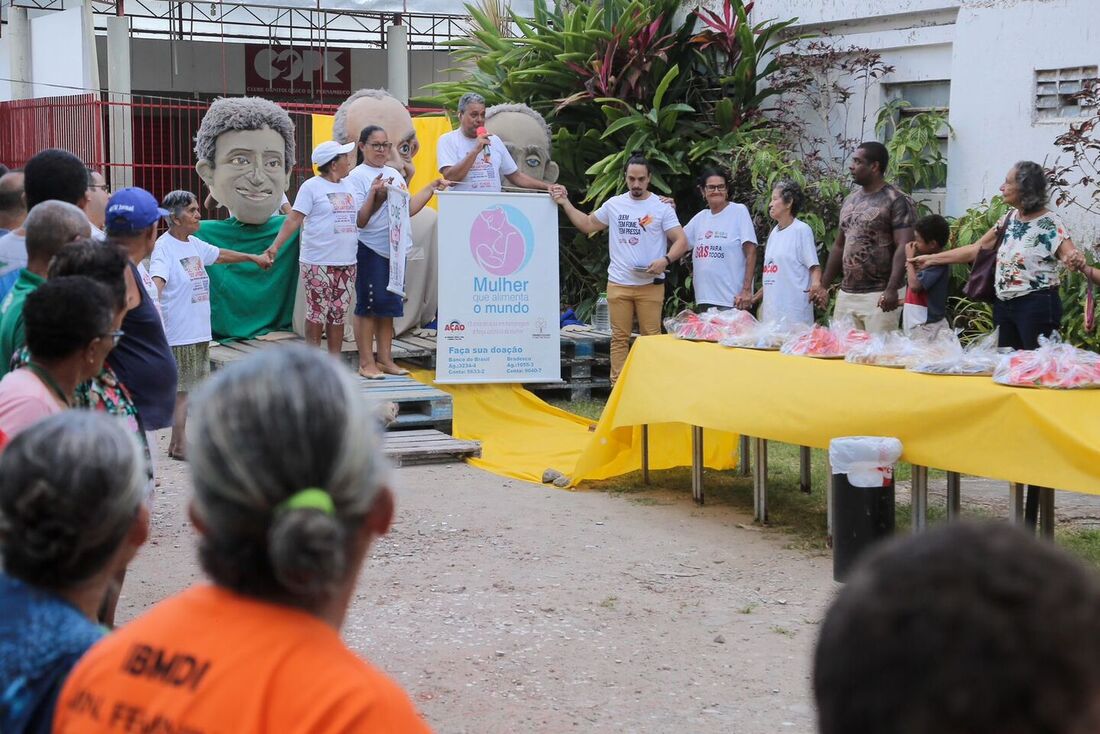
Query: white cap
point(328, 150)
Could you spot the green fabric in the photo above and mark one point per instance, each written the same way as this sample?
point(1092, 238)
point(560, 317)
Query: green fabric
point(12, 336)
point(246, 301)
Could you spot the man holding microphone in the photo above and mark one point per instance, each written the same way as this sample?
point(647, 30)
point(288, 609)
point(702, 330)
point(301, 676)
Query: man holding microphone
point(476, 160)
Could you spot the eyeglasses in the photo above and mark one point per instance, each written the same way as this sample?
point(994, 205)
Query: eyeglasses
point(115, 336)
point(380, 146)
point(106, 187)
point(714, 188)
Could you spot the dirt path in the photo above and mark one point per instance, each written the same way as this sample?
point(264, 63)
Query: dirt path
point(507, 607)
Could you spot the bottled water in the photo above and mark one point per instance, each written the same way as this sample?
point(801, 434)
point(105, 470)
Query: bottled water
point(601, 317)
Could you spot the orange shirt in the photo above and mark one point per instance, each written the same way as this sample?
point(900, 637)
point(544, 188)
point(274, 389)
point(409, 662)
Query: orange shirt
point(209, 661)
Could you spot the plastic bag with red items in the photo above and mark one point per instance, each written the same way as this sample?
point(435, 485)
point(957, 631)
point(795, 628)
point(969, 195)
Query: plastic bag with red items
point(1053, 365)
point(898, 350)
point(826, 343)
point(712, 326)
point(690, 325)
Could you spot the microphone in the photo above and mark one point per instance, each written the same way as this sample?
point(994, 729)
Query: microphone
point(482, 132)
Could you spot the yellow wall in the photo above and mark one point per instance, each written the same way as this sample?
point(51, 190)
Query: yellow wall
point(428, 132)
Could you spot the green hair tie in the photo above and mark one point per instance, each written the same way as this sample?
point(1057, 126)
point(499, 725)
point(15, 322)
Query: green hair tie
point(312, 498)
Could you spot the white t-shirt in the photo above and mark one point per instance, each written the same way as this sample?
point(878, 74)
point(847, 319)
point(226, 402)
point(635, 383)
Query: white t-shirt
point(788, 258)
point(376, 235)
point(718, 259)
point(329, 234)
point(185, 299)
point(636, 235)
point(97, 234)
point(484, 175)
point(150, 288)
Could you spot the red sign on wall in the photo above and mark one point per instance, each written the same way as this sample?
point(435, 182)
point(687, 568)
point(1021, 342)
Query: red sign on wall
point(297, 70)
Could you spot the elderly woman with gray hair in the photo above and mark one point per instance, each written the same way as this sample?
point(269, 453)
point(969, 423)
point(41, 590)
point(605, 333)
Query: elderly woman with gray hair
point(476, 160)
point(72, 516)
point(1031, 253)
point(178, 268)
point(290, 492)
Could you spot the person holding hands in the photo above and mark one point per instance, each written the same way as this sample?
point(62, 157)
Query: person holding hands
point(639, 225)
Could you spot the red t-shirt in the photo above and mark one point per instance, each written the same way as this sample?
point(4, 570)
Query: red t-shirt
point(209, 661)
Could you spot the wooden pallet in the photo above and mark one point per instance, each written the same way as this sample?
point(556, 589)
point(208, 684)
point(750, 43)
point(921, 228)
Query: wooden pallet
point(426, 446)
point(419, 405)
point(416, 349)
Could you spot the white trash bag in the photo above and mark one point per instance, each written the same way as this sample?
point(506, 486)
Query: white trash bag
point(867, 460)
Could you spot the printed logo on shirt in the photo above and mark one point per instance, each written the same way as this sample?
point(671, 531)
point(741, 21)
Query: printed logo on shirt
point(629, 228)
point(343, 212)
point(709, 252)
point(770, 272)
point(200, 282)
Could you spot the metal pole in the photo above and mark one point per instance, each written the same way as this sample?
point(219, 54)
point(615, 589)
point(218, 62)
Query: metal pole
point(1016, 503)
point(1046, 513)
point(697, 464)
point(645, 454)
point(828, 501)
point(760, 481)
point(743, 469)
point(954, 495)
point(919, 504)
point(804, 469)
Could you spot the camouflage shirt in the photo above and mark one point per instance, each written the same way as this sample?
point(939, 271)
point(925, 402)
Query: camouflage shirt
point(869, 222)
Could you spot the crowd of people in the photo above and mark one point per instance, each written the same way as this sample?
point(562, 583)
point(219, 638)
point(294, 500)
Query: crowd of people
point(892, 266)
point(102, 309)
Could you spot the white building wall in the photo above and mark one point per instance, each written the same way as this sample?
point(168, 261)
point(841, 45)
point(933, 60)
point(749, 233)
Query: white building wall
point(989, 50)
point(183, 68)
point(998, 48)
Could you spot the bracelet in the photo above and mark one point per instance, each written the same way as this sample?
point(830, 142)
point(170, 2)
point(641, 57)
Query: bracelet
point(668, 260)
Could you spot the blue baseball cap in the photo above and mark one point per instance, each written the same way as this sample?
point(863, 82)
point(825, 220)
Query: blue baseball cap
point(132, 210)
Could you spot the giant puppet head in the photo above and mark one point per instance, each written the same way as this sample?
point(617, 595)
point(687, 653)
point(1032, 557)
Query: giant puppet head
point(379, 107)
point(527, 137)
point(245, 150)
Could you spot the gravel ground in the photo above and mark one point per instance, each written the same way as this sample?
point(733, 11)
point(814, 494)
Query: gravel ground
point(503, 607)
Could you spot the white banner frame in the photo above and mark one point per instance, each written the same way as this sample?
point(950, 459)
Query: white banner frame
point(500, 310)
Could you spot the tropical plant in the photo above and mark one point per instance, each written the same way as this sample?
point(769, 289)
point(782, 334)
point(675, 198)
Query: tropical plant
point(916, 161)
point(620, 76)
point(1077, 180)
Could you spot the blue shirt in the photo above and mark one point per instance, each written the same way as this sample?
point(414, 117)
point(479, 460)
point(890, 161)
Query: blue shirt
point(41, 638)
point(144, 363)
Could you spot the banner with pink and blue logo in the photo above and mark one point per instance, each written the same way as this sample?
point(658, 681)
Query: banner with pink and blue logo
point(498, 288)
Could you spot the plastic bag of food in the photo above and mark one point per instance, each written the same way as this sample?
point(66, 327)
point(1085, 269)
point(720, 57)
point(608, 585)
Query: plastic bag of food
point(731, 322)
point(766, 335)
point(979, 357)
point(889, 349)
point(1053, 365)
point(690, 325)
point(826, 343)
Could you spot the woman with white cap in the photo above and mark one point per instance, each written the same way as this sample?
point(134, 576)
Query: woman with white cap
point(325, 210)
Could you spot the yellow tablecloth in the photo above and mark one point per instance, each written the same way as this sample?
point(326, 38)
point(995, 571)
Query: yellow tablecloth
point(964, 424)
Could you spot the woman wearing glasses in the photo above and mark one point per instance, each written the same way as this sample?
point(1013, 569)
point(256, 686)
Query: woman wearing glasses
point(72, 323)
point(722, 243)
point(375, 307)
point(178, 268)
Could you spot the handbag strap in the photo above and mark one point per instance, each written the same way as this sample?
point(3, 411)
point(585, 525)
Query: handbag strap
point(1002, 231)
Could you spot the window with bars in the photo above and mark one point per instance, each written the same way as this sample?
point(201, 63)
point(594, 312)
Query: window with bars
point(927, 96)
point(1057, 90)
